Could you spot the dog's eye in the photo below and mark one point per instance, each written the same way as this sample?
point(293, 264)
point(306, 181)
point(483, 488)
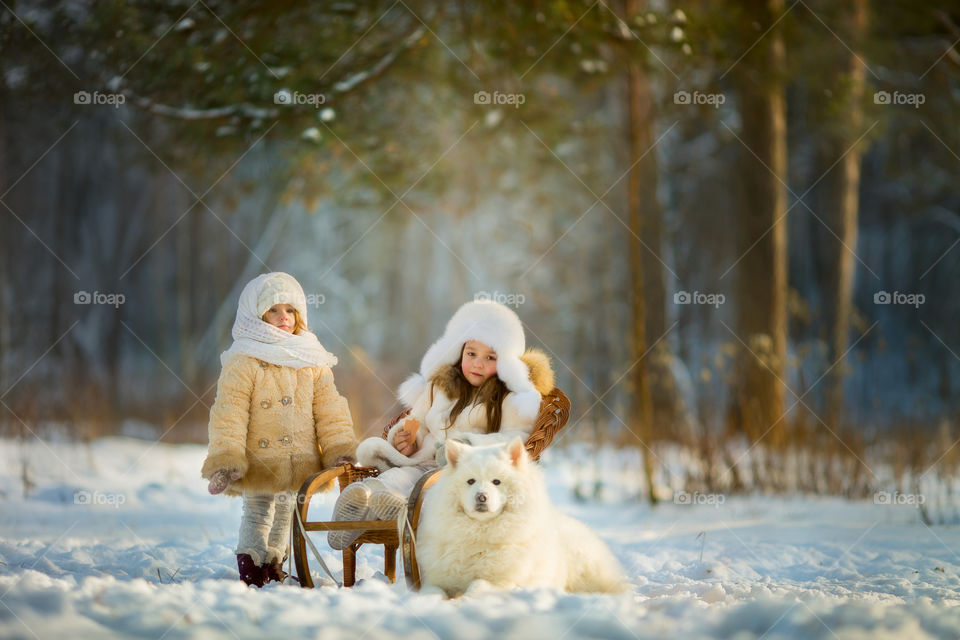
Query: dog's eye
point(496, 482)
point(471, 481)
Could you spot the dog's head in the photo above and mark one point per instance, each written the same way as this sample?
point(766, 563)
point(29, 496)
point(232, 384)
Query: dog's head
point(487, 480)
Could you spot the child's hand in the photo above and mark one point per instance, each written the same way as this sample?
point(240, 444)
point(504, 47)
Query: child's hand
point(405, 439)
point(221, 478)
point(411, 426)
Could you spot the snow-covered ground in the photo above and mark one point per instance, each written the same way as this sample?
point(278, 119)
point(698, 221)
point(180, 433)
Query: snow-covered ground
point(120, 539)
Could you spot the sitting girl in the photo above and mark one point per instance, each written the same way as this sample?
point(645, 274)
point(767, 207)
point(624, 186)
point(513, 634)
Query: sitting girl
point(476, 384)
point(277, 419)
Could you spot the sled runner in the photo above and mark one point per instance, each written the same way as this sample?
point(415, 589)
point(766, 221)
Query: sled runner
point(554, 413)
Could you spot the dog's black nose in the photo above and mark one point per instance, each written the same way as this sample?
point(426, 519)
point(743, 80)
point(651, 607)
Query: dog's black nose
point(481, 497)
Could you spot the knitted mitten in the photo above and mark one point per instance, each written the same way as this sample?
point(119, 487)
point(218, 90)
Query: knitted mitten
point(221, 478)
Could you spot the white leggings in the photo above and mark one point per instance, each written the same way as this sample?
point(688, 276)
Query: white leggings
point(399, 479)
point(265, 526)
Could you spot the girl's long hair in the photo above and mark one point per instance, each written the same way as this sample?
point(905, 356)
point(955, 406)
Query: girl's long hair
point(490, 394)
point(299, 326)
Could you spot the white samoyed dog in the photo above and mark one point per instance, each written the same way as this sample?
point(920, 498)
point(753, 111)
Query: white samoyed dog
point(488, 522)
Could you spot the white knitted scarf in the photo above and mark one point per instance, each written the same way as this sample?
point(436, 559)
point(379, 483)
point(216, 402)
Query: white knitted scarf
point(254, 337)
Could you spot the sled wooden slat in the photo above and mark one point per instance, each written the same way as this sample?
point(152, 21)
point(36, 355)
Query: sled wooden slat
point(370, 525)
point(554, 413)
point(407, 547)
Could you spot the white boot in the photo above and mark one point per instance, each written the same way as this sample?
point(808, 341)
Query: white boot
point(386, 505)
point(353, 504)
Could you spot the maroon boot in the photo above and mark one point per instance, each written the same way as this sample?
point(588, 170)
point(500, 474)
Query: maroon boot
point(274, 572)
point(250, 571)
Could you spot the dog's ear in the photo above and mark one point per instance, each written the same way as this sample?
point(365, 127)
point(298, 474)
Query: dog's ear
point(516, 452)
point(453, 450)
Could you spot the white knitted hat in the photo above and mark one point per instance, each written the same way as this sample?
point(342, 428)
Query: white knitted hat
point(497, 327)
point(280, 288)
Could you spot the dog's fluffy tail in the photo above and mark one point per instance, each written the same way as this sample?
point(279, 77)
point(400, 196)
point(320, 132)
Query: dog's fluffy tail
point(592, 567)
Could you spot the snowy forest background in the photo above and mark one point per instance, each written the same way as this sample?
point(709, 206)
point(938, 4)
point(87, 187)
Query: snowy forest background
point(732, 224)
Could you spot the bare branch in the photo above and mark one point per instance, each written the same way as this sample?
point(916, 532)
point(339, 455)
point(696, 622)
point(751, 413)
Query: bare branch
point(248, 110)
point(357, 79)
point(189, 113)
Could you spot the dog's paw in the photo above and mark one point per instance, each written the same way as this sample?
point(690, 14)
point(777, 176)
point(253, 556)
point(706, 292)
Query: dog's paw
point(433, 590)
point(479, 587)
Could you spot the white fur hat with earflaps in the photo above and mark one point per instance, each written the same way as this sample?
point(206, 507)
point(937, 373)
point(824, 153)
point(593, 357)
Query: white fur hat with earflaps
point(497, 327)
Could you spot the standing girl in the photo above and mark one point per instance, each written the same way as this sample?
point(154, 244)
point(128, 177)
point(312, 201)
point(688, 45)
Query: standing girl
point(477, 384)
point(276, 420)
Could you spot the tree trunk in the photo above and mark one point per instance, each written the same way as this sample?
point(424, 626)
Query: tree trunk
point(762, 273)
point(652, 218)
point(843, 202)
point(6, 257)
point(186, 241)
point(639, 121)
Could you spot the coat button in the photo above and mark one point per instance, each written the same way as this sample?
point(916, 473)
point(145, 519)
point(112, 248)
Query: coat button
point(285, 440)
point(264, 443)
point(265, 404)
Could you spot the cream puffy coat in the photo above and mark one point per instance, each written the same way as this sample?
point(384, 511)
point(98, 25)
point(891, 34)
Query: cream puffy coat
point(432, 408)
point(277, 425)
